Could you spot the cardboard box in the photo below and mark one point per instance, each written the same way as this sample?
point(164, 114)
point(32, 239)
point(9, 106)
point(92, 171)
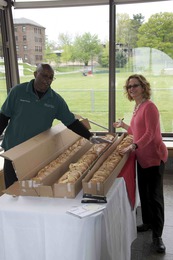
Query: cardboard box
point(70, 190)
point(102, 188)
point(33, 155)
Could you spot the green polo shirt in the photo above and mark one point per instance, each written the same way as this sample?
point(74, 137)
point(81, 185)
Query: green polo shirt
point(30, 115)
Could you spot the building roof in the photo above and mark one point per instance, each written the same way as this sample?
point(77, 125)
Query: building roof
point(23, 20)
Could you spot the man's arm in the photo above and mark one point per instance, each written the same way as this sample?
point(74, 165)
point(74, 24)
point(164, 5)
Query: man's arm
point(3, 122)
point(80, 129)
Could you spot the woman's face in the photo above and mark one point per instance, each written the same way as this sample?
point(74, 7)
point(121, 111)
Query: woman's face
point(134, 88)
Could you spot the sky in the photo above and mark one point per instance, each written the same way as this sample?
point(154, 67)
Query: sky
point(78, 20)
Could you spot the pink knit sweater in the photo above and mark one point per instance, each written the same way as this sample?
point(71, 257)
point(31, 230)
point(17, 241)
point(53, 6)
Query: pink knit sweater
point(145, 128)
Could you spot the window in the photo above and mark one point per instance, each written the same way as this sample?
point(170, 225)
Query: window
point(38, 57)
point(91, 90)
point(25, 57)
point(135, 53)
point(38, 48)
point(23, 28)
point(37, 30)
point(141, 50)
point(24, 38)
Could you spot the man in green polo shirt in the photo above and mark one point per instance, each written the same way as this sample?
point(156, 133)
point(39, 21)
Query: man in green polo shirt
point(30, 108)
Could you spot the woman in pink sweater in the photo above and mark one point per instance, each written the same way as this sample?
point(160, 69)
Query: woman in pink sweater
point(151, 154)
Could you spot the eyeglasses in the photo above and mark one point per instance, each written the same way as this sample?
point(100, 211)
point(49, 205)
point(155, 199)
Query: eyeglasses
point(46, 77)
point(133, 86)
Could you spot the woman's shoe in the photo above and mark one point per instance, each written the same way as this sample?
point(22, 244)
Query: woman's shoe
point(159, 245)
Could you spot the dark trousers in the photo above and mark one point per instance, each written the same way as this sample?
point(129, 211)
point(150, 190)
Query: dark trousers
point(150, 184)
point(9, 173)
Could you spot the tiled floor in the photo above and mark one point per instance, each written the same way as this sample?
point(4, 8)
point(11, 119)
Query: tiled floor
point(142, 247)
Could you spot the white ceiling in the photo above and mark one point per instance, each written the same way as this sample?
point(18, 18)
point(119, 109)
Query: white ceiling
point(18, 4)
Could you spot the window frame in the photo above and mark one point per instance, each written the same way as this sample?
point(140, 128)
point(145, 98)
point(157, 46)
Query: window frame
point(11, 63)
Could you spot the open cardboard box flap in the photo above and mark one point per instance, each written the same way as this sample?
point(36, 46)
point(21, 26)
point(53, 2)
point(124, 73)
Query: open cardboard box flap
point(30, 156)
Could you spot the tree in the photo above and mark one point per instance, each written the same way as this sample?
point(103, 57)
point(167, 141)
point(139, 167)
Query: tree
point(67, 54)
point(49, 55)
point(127, 29)
point(121, 59)
point(65, 44)
point(126, 36)
point(86, 47)
point(123, 23)
point(104, 56)
point(157, 33)
point(64, 39)
point(135, 24)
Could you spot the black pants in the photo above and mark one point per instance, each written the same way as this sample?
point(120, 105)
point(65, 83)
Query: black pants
point(150, 184)
point(9, 173)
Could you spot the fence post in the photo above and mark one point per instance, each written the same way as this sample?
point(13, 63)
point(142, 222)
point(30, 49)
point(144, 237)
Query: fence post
point(92, 100)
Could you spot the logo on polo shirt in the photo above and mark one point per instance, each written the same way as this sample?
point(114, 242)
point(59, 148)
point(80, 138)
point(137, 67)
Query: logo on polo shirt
point(24, 100)
point(49, 105)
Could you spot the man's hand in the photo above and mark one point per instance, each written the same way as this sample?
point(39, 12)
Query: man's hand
point(99, 140)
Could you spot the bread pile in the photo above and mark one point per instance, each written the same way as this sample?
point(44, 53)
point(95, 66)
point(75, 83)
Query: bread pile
point(77, 169)
point(111, 162)
point(48, 169)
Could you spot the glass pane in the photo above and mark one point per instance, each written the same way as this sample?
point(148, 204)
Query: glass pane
point(144, 46)
point(81, 76)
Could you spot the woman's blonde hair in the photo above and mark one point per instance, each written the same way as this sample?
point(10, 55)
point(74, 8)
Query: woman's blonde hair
point(144, 84)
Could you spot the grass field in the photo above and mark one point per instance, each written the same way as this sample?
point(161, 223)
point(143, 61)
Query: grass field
point(88, 96)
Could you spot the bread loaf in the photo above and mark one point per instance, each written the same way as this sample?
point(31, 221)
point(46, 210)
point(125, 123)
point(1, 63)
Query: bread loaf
point(111, 162)
point(84, 162)
point(48, 169)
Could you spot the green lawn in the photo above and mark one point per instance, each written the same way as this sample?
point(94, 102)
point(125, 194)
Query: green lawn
point(88, 96)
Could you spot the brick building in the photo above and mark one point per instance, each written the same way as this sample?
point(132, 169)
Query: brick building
point(30, 40)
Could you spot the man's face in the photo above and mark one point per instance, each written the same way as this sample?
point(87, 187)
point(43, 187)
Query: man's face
point(43, 79)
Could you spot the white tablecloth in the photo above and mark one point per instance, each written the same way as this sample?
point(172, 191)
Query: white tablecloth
point(35, 228)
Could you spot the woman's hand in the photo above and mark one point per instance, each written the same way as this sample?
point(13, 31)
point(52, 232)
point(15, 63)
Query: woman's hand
point(119, 123)
point(128, 149)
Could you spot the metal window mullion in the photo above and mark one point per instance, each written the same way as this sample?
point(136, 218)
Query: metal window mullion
point(111, 65)
point(9, 48)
